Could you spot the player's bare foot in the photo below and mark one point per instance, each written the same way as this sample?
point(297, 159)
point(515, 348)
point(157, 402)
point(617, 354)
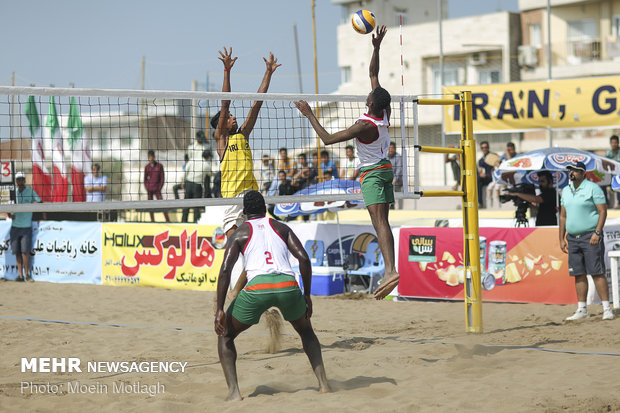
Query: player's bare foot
point(234, 396)
point(390, 281)
point(324, 388)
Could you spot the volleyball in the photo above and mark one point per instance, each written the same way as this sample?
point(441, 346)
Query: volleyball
point(363, 21)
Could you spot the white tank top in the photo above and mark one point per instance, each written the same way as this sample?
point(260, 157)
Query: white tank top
point(265, 252)
point(371, 153)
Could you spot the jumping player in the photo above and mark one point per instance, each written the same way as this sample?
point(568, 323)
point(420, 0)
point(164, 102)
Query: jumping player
point(233, 147)
point(265, 243)
point(372, 140)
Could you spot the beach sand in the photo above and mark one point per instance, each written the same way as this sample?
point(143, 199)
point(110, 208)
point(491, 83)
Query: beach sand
point(380, 356)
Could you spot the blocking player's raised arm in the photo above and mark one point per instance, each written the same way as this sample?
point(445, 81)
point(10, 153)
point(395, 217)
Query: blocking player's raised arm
point(271, 66)
point(221, 131)
point(373, 68)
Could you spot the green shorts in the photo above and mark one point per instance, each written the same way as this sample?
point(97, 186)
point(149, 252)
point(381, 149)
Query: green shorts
point(266, 291)
point(377, 187)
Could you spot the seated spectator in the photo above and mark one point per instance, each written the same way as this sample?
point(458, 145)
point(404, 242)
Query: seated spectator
point(328, 165)
point(267, 173)
point(286, 164)
point(305, 175)
point(350, 170)
point(285, 187)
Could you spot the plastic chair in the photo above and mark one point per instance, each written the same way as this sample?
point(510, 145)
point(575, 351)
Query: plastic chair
point(370, 273)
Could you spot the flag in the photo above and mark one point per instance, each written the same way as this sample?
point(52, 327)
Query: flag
point(80, 153)
point(41, 179)
point(60, 184)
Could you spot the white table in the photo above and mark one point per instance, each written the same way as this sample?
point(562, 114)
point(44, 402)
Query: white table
point(613, 263)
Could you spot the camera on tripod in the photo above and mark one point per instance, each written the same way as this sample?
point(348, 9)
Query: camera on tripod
point(522, 205)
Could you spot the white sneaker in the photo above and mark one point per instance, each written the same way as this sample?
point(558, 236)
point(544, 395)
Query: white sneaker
point(579, 314)
point(608, 314)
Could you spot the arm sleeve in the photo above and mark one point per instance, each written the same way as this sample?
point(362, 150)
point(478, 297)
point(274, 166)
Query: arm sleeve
point(597, 195)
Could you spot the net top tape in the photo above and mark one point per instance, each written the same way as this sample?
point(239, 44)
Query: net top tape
point(175, 94)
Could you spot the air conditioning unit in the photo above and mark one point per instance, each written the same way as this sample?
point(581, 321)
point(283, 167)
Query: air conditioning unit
point(528, 56)
point(478, 58)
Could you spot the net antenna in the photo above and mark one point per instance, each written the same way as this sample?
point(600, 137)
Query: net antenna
point(403, 148)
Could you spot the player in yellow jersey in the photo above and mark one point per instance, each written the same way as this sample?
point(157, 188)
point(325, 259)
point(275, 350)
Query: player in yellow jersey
point(234, 150)
point(233, 145)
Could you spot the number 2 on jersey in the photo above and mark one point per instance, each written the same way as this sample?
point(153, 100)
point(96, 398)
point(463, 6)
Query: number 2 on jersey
point(268, 258)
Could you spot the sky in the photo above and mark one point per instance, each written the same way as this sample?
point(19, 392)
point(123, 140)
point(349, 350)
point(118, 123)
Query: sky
point(100, 44)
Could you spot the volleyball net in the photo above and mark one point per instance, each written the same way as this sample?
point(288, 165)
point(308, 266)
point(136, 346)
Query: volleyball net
point(88, 149)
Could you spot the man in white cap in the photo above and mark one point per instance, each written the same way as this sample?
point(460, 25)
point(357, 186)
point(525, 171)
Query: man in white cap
point(582, 218)
point(21, 228)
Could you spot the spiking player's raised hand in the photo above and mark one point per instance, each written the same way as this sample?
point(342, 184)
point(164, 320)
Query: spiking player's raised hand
point(376, 39)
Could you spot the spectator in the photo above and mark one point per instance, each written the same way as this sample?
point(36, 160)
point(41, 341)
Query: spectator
point(154, 181)
point(180, 185)
point(286, 164)
point(494, 188)
point(195, 172)
point(21, 228)
point(314, 165)
point(351, 172)
point(582, 219)
point(455, 165)
point(397, 166)
point(328, 165)
point(285, 187)
point(207, 156)
point(613, 153)
point(305, 174)
point(95, 185)
point(267, 173)
point(485, 174)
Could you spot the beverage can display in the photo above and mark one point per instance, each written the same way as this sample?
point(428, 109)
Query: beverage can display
point(497, 261)
point(483, 255)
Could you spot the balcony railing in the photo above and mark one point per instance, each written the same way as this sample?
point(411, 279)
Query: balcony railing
point(586, 50)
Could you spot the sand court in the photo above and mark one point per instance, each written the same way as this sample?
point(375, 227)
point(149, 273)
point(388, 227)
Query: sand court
point(382, 356)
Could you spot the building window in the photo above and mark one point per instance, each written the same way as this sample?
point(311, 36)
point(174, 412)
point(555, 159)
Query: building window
point(400, 13)
point(535, 35)
point(345, 74)
point(583, 43)
point(486, 77)
point(450, 77)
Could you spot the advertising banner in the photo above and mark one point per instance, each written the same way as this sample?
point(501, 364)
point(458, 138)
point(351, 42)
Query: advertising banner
point(158, 255)
point(62, 252)
point(567, 103)
point(527, 264)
